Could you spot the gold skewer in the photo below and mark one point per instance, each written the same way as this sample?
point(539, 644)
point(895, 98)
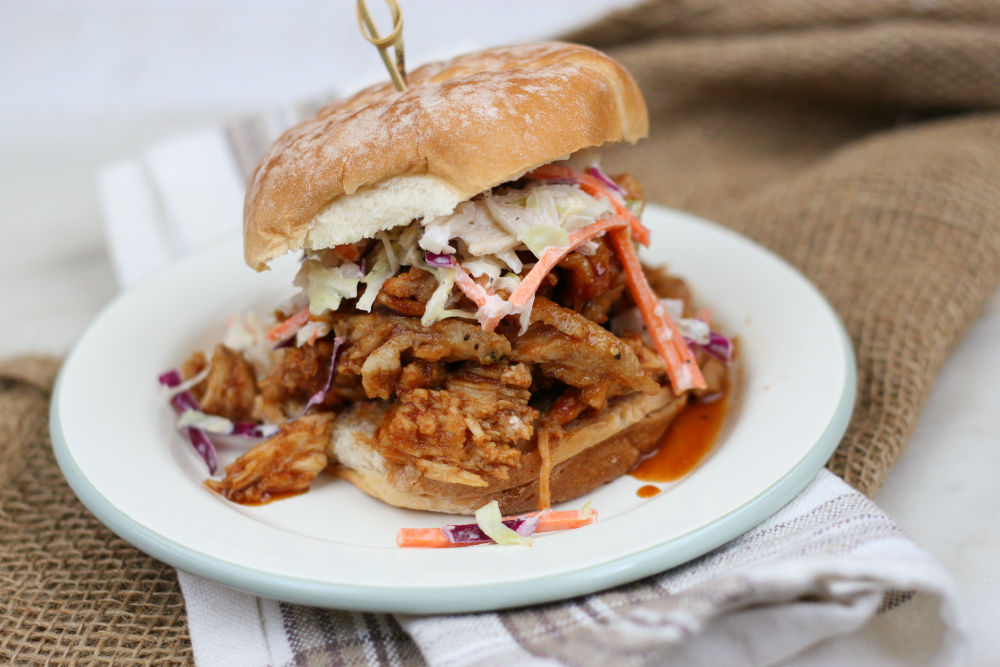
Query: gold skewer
point(397, 70)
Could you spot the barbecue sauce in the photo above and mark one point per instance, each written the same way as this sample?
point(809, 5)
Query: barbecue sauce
point(266, 498)
point(688, 439)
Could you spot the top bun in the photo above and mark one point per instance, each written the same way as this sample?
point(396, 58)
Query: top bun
point(460, 128)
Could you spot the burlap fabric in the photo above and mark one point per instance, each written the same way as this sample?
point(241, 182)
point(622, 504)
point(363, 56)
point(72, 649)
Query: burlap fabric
point(857, 139)
point(71, 591)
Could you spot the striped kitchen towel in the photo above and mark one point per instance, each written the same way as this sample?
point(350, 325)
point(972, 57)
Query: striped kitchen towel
point(184, 193)
point(828, 580)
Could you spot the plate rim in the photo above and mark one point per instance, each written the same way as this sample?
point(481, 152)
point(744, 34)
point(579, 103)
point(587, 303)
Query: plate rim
point(480, 597)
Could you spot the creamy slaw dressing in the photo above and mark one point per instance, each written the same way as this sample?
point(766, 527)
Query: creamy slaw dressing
point(482, 236)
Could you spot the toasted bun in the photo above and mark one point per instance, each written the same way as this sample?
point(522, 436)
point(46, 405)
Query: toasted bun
point(592, 452)
point(460, 128)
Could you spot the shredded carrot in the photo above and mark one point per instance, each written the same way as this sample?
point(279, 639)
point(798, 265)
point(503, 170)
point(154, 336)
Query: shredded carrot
point(680, 363)
point(478, 295)
point(561, 520)
point(529, 285)
point(289, 326)
point(682, 368)
point(348, 251)
point(476, 292)
point(431, 538)
point(436, 539)
point(554, 254)
point(596, 188)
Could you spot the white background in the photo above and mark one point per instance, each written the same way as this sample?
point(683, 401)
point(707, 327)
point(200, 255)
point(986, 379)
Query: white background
point(82, 84)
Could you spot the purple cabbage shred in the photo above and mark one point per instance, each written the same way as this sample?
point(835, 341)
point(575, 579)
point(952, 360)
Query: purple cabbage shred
point(441, 259)
point(471, 533)
point(604, 178)
point(253, 430)
point(185, 401)
point(320, 395)
point(718, 346)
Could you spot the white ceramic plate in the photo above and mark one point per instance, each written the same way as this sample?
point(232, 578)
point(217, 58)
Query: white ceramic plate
point(334, 546)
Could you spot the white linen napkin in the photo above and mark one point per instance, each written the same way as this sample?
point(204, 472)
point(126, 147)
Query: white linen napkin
point(829, 579)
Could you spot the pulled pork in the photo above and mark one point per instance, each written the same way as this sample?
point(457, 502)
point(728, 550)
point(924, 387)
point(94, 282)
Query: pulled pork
point(285, 464)
point(593, 283)
point(477, 423)
point(407, 293)
point(230, 388)
point(378, 345)
point(463, 404)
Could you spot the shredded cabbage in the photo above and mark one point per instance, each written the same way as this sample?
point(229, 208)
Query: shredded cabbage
point(311, 331)
point(196, 419)
point(695, 329)
point(390, 253)
point(435, 309)
point(374, 280)
point(436, 238)
point(483, 235)
point(483, 266)
point(435, 305)
point(508, 282)
point(539, 238)
point(572, 206)
point(205, 422)
point(495, 308)
point(247, 334)
point(243, 331)
point(494, 224)
point(490, 521)
point(326, 286)
point(691, 328)
point(411, 253)
point(169, 392)
point(525, 319)
point(510, 258)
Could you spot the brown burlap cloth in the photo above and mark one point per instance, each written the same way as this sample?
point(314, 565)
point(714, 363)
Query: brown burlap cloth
point(859, 140)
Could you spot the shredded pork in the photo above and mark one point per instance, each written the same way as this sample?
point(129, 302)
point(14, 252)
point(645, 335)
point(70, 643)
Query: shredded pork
point(474, 424)
point(230, 388)
point(378, 345)
point(461, 404)
point(407, 293)
point(578, 352)
point(285, 464)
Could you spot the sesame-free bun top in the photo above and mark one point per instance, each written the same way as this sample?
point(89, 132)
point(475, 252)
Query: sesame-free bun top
point(382, 158)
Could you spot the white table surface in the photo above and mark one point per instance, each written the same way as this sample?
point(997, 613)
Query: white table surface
point(83, 86)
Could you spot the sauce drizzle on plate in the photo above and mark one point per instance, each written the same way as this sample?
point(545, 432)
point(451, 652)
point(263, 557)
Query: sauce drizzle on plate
point(647, 491)
point(688, 439)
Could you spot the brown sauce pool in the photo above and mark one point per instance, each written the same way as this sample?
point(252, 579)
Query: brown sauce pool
point(266, 498)
point(688, 439)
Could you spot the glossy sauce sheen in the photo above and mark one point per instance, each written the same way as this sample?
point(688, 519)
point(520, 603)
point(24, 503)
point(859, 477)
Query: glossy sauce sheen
point(689, 438)
point(268, 498)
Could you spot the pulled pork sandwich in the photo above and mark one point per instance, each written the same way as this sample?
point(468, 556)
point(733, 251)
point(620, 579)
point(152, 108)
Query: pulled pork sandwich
point(473, 322)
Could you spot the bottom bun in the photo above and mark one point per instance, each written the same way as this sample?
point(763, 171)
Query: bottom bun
point(592, 451)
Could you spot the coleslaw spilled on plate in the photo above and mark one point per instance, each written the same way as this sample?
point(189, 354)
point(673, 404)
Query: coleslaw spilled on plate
point(493, 528)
